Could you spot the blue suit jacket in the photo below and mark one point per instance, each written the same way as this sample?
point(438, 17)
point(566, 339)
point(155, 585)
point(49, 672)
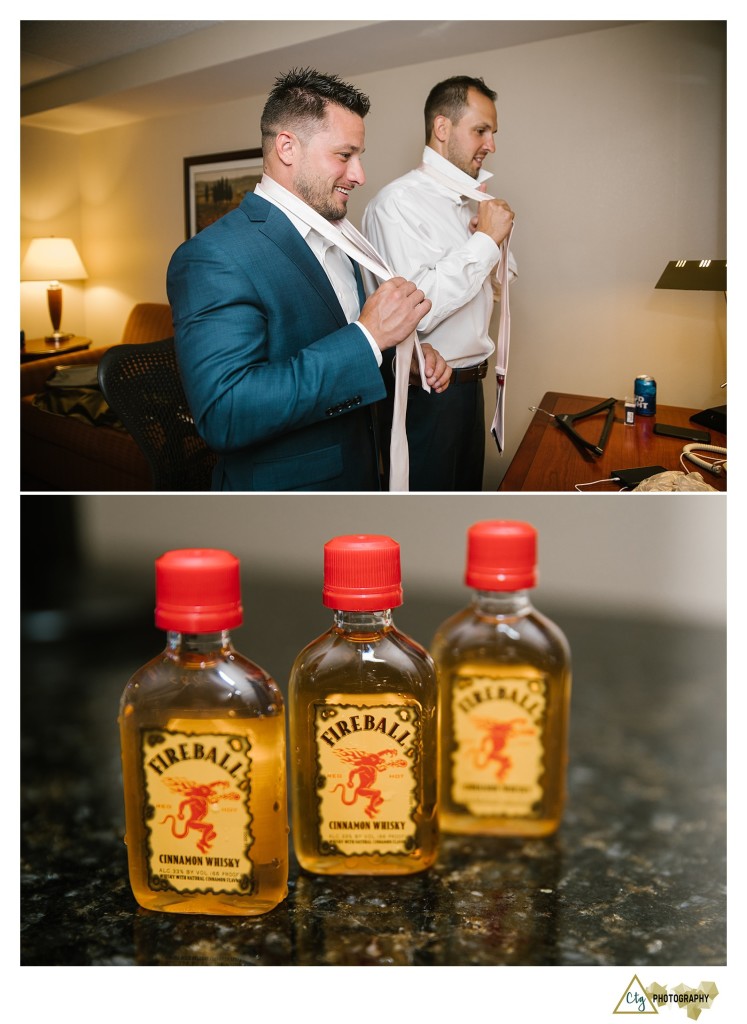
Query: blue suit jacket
point(280, 385)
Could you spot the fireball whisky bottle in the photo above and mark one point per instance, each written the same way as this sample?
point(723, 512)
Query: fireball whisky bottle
point(203, 754)
point(363, 731)
point(504, 694)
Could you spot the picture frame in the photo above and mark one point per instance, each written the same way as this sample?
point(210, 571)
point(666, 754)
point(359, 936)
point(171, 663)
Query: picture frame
point(216, 183)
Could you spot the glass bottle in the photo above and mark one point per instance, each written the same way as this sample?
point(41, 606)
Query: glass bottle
point(504, 694)
point(203, 754)
point(363, 730)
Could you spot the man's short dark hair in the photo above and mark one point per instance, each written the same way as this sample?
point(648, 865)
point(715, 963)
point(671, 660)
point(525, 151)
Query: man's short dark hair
point(300, 98)
point(450, 98)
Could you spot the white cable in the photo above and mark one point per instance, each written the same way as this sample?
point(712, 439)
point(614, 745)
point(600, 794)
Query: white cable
point(592, 483)
point(713, 465)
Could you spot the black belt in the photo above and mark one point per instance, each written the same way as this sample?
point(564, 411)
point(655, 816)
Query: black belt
point(465, 374)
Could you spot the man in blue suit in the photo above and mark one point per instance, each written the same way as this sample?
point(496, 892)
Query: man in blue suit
point(280, 353)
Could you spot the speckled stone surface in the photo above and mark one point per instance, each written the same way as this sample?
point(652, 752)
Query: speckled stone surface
point(635, 875)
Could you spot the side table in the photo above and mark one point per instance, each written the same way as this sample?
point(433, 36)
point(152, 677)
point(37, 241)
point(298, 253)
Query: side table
point(548, 460)
point(41, 348)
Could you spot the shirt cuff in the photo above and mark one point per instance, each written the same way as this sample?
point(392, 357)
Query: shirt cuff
point(486, 247)
point(369, 338)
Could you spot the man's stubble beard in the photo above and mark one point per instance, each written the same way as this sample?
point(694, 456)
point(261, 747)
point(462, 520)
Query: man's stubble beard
point(315, 194)
point(455, 156)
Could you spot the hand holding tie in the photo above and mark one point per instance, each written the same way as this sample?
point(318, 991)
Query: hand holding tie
point(437, 370)
point(393, 312)
point(494, 218)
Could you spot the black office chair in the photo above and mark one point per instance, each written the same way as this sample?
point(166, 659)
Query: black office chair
point(141, 384)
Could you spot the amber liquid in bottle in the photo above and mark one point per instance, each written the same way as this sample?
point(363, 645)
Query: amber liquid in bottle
point(363, 737)
point(504, 692)
point(203, 757)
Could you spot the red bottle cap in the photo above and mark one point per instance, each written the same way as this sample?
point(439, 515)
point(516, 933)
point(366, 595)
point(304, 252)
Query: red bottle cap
point(501, 555)
point(198, 591)
point(362, 573)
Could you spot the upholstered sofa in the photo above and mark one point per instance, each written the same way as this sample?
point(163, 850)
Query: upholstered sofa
point(64, 453)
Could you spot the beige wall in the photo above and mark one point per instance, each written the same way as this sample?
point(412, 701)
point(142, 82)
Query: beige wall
point(662, 556)
point(611, 149)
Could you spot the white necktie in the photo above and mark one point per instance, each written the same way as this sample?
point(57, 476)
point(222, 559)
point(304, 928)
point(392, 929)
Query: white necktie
point(341, 277)
point(504, 322)
point(351, 241)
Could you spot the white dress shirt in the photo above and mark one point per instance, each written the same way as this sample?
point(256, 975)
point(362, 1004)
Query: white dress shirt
point(335, 263)
point(422, 230)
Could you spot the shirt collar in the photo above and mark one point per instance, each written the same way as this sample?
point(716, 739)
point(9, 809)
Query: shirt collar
point(293, 203)
point(316, 242)
point(430, 156)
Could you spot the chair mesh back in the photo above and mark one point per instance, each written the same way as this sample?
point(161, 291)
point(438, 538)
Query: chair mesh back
point(141, 383)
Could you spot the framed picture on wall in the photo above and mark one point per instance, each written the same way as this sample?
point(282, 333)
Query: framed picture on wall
point(216, 183)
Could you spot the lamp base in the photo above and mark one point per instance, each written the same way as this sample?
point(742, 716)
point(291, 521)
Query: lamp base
point(57, 338)
point(714, 419)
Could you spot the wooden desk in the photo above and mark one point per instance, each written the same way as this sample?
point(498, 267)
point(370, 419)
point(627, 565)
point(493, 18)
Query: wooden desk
point(548, 460)
point(40, 348)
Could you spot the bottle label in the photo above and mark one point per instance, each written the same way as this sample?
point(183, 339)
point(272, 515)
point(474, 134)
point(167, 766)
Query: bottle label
point(368, 762)
point(197, 817)
point(498, 758)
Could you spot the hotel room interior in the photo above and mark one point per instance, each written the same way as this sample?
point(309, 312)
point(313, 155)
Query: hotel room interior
point(611, 149)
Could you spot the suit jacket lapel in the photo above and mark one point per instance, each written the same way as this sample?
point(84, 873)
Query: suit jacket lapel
point(283, 234)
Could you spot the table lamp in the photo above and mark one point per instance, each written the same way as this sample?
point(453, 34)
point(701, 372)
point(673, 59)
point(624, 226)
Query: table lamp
point(53, 260)
point(701, 276)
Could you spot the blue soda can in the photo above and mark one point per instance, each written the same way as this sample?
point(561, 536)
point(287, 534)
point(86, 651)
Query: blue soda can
point(645, 395)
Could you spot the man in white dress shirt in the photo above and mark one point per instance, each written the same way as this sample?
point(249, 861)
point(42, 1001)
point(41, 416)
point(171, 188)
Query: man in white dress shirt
point(449, 247)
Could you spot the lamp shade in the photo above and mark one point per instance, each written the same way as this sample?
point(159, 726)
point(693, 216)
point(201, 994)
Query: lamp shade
point(52, 259)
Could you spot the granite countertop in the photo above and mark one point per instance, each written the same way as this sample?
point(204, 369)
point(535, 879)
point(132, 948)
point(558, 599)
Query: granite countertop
point(635, 875)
